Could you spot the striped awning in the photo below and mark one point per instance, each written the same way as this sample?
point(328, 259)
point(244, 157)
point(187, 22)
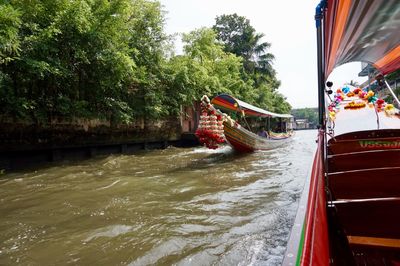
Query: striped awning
point(362, 30)
point(225, 102)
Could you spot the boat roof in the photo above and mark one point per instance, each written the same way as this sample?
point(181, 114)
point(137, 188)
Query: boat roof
point(366, 31)
point(366, 118)
point(230, 103)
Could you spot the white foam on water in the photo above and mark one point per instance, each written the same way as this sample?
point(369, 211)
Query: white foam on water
point(109, 231)
point(223, 149)
point(115, 182)
point(255, 249)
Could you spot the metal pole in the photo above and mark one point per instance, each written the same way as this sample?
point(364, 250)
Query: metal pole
point(321, 87)
point(319, 15)
point(392, 92)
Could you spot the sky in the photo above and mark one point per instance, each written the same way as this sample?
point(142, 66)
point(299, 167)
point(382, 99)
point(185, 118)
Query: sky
point(288, 25)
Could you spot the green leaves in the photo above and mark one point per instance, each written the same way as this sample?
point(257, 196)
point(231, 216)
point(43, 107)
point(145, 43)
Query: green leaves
point(241, 39)
point(9, 42)
point(306, 113)
point(77, 49)
point(112, 60)
point(205, 68)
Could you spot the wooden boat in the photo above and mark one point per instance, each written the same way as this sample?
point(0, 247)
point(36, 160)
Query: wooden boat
point(349, 211)
point(240, 138)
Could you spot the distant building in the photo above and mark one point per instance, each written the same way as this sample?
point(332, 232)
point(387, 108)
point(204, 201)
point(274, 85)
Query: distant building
point(302, 124)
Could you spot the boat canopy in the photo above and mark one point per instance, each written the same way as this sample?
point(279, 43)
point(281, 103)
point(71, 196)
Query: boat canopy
point(367, 31)
point(227, 102)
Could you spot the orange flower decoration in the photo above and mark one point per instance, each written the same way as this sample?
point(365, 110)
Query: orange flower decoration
point(355, 105)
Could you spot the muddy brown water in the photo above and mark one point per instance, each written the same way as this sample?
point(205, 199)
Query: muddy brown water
point(175, 206)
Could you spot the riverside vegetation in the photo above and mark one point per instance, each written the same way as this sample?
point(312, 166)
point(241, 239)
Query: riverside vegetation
point(112, 60)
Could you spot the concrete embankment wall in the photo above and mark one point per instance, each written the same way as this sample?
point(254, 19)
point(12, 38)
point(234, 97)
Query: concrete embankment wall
point(23, 145)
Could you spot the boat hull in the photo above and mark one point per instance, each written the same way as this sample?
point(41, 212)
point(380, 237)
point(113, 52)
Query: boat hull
point(348, 212)
point(308, 242)
point(243, 140)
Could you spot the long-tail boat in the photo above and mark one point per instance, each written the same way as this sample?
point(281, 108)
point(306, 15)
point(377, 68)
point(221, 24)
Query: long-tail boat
point(235, 134)
point(349, 211)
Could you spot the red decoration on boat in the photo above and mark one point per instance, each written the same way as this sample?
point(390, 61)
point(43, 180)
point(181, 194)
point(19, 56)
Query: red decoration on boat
point(380, 104)
point(211, 128)
point(357, 91)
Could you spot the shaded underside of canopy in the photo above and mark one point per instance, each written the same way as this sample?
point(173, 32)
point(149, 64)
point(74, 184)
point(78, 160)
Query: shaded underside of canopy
point(227, 102)
point(362, 30)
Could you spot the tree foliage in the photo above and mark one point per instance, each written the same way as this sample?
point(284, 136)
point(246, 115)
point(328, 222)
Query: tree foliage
point(112, 60)
point(306, 113)
point(240, 38)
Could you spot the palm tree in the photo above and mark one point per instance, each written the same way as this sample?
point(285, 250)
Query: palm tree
point(240, 38)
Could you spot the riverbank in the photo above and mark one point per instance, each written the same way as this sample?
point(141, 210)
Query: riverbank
point(24, 145)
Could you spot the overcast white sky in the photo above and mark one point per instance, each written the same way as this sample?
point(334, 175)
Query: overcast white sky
point(288, 25)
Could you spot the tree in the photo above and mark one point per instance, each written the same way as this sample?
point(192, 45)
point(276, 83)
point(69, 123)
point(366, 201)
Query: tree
point(306, 113)
point(111, 60)
point(10, 45)
point(10, 21)
point(147, 40)
point(87, 58)
point(205, 69)
point(240, 38)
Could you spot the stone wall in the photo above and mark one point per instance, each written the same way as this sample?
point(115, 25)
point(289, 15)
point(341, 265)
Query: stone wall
point(25, 145)
point(20, 136)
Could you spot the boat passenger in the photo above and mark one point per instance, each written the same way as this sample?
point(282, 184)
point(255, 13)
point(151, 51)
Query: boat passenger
point(263, 133)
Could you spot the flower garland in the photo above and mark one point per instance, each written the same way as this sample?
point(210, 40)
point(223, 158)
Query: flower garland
point(211, 129)
point(355, 105)
point(389, 109)
point(333, 108)
point(364, 96)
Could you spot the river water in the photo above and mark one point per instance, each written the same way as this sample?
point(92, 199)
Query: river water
point(177, 206)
